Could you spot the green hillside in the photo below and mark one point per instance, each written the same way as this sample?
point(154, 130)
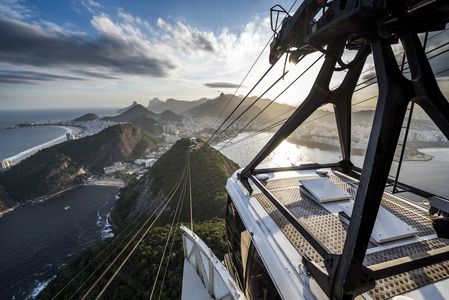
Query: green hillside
point(136, 278)
point(209, 172)
point(56, 168)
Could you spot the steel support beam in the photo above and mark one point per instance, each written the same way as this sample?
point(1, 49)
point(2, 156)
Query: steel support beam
point(351, 277)
point(319, 95)
point(428, 94)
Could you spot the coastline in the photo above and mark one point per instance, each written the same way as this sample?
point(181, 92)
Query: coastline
point(103, 182)
point(27, 153)
point(8, 210)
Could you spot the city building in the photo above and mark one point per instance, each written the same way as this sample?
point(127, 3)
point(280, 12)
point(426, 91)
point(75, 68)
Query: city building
point(5, 165)
point(118, 166)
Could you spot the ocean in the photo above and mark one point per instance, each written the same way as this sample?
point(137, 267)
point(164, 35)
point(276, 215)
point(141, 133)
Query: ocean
point(37, 240)
point(14, 142)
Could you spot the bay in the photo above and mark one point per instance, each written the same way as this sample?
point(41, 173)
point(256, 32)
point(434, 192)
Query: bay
point(37, 240)
point(429, 175)
point(16, 141)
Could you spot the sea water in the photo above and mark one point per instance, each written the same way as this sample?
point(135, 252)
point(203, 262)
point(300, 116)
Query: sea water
point(19, 140)
point(37, 240)
point(429, 175)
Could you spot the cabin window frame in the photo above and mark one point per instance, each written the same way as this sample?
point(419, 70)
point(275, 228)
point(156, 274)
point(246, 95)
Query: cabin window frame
point(253, 256)
point(234, 242)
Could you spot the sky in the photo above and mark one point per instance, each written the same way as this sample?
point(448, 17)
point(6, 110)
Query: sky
point(86, 53)
point(72, 53)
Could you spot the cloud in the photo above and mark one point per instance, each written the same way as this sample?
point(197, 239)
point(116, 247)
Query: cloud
point(128, 46)
point(31, 77)
point(26, 44)
point(91, 6)
point(221, 85)
point(14, 9)
point(185, 38)
point(96, 74)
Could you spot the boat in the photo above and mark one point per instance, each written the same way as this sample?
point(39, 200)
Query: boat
point(66, 207)
point(335, 230)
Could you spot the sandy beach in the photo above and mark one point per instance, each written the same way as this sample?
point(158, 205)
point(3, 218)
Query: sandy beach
point(27, 153)
point(108, 182)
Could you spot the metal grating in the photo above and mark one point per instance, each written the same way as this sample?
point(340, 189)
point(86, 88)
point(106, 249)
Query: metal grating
point(330, 230)
point(401, 283)
point(325, 226)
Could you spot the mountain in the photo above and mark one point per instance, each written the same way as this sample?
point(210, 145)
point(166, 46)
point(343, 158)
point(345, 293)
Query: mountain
point(132, 113)
point(137, 112)
point(120, 111)
point(147, 123)
point(168, 115)
point(177, 106)
point(209, 172)
point(58, 167)
point(213, 108)
point(86, 117)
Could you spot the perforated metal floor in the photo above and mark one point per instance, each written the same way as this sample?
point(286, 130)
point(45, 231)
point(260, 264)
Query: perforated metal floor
point(331, 231)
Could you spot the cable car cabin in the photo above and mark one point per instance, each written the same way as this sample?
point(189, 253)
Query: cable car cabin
point(270, 259)
point(333, 230)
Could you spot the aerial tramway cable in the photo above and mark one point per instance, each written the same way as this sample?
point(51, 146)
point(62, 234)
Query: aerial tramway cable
point(174, 233)
point(240, 103)
point(279, 123)
point(251, 105)
point(260, 54)
point(137, 220)
point(135, 247)
point(244, 78)
point(102, 251)
point(190, 192)
point(169, 255)
point(112, 252)
point(181, 197)
point(166, 200)
point(297, 78)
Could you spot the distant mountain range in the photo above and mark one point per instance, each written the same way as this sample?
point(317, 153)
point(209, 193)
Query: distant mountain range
point(173, 111)
point(120, 111)
point(176, 106)
point(139, 115)
point(214, 107)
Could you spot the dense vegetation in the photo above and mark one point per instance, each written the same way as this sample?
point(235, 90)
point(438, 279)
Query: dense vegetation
point(53, 169)
point(136, 278)
point(209, 171)
point(209, 168)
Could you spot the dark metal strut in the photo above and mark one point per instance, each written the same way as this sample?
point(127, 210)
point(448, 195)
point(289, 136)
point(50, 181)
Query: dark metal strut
point(345, 276)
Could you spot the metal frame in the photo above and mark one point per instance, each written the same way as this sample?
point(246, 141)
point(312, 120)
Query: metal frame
point(216, 280)
point(345, 276)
